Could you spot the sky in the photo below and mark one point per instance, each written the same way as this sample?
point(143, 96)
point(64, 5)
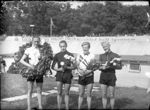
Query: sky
point(75, 4)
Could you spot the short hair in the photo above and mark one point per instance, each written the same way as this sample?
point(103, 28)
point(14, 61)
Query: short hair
point(86, 43)
point(63, 41)
point(36, 36)
point(16, 53)
point(105, 43)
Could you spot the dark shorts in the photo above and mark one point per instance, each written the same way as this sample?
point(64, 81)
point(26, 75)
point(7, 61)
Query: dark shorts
point(109, 81)
point(86, 80)
point(38, 79)
point(64, 77)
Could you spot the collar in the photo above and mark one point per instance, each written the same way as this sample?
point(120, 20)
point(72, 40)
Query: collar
point(34, 47)
point(86, 53)
point(64, 51)
point(108, 52)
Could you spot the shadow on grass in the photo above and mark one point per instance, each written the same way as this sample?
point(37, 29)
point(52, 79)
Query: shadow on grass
point(123, 102)
point(51, 102)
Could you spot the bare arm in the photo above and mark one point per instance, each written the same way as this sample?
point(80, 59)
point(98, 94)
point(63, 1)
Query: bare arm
point(55, 67)
point(25, 63)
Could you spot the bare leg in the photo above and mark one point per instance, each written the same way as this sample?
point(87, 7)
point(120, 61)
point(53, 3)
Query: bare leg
point(39, 94)
point(104, 95)
point(112, 96)
point(59, 95)
point(81, 95)
point(67, 88)
point(29, 94)
point(89, 91)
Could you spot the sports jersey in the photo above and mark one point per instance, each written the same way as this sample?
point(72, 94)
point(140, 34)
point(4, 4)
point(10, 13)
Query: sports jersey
point(83, 61)
point(33, 54)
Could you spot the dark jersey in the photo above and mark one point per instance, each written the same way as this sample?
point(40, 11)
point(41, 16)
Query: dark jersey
point(107, 57)
point(2, 62)
point(59, 57)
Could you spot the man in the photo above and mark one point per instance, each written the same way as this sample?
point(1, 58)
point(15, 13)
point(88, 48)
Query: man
point(64, 68)
point(86, 77)
point(13, 68)
point(34, 54)
point(2, 65)
point(108, 77)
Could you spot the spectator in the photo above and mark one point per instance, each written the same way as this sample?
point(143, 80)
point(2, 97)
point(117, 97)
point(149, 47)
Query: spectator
point(2, 65)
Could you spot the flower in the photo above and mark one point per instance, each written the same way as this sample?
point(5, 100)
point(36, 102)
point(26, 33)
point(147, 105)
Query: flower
point(62, 63)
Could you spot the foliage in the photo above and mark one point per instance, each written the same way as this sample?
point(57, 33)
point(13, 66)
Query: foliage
point(40, 69)
point(91, 18)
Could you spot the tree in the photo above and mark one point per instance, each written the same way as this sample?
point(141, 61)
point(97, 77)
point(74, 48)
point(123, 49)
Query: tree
point(90, 18)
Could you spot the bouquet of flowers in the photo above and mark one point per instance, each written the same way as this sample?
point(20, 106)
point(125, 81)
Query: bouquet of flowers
point(66, 63)
point(93, 66)
point(115, 63)
point(69, 57)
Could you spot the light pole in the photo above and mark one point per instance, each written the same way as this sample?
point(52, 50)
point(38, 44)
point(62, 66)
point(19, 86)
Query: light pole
point(32, 26)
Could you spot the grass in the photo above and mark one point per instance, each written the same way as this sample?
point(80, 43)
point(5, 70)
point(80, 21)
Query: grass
point(126, 98)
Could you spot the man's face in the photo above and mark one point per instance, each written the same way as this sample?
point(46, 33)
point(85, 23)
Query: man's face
point(63, 47)
point(36, 42)
point(85, 48)
point(16, 58)
point(106, 47)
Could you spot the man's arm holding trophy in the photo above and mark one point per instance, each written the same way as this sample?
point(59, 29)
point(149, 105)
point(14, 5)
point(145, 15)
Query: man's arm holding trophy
point(115, 63)
point(55, 66)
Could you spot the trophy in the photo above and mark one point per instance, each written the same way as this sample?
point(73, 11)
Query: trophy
point(115, 62)
point(63, 65)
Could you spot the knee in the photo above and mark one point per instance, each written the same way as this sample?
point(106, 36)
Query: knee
point(104, 95)
point(81, 94)
point(59, 93)
point(39, 90)
point(29, 91)
point(111, 95)
point(88, 94)
point(66, 92)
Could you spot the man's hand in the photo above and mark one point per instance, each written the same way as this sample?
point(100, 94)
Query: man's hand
point(32, 67)
point(61, 69)
point(87, 72)
point(81, 72)
point(103, 67)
